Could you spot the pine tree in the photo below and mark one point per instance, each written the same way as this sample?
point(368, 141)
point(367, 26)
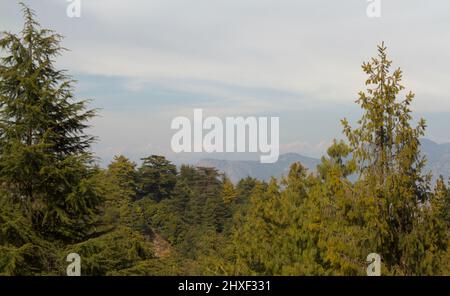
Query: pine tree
point(392, 188)
point(112, 252)
point(228, 192)
point(270, 237)
point(44, 158)
point(428, 251)
point(333, 218)
point(157, 177)
point(118, 184)
point(22, 251)
point(123, 173)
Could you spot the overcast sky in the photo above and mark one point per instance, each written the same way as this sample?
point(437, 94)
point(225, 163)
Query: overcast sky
point(145, 62)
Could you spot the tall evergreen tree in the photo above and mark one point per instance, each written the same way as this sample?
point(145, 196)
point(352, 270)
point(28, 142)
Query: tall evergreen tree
point(157, 177)
point(333, 222)
point(392, 189)
point(44, 158)
point(270, 237)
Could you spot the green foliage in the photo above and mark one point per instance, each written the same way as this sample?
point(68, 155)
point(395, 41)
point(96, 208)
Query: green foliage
point(110, 253)
point(392, 189)
point(334, 215)
point(118, 184)
point(157, 177)
point(195, 208)
point(43, 158)
point(368, 195)
point(228, 192)
point(22, 251)
point(270, 237)
point(327, 224)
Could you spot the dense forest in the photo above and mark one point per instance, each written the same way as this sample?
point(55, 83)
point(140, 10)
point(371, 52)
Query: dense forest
point(369, 194)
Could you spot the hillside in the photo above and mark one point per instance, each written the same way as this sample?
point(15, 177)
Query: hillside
point(438, 156)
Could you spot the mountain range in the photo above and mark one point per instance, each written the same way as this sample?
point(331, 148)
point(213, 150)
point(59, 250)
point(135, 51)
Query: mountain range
point(438, 162)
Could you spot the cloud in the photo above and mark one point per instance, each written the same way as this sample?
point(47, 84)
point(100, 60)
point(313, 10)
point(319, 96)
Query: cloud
point(302, 47)
point(239, 57)
point(293, 46)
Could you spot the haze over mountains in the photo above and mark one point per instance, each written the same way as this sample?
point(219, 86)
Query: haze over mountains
point(438, 156)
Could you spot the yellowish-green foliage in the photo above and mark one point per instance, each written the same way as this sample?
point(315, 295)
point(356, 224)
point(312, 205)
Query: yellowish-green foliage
point(333, 214)
point(368, 195)
point(272, 236)
point(118, 250)
point(228, 192)
point(392, 188)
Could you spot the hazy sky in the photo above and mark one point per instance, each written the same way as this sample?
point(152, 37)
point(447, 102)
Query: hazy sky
point(145, 62)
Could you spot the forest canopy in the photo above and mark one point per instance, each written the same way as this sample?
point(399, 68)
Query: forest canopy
point(369, 194)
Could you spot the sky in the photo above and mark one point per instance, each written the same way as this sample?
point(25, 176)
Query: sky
point(144, 62)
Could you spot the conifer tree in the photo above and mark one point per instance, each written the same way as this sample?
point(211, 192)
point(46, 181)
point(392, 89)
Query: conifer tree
point(392, 188)
point(228, 192)
point(270, 238)
point(157, 177)
point(335, 232)
point(44, 157)
point(427, 246)
point(118, 185)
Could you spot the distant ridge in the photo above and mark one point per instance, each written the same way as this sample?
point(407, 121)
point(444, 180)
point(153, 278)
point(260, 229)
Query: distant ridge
point(237, 169)
point(438, 156)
